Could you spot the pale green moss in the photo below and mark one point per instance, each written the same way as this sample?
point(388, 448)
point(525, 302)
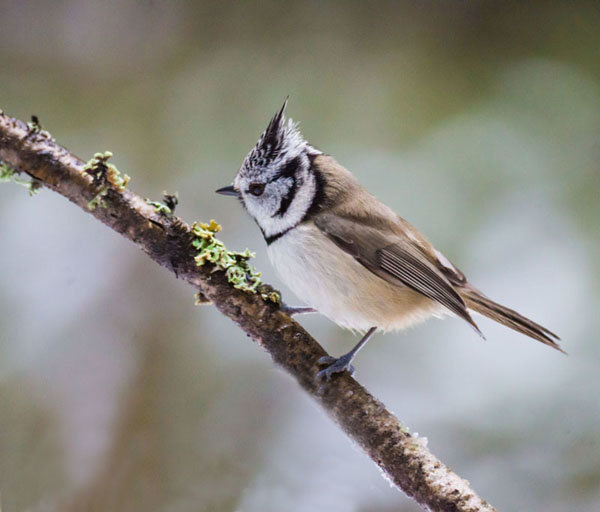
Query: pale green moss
point(34, 187)
point(235, 264)
point(159, 207)
point(8, 174)
point(98, 199)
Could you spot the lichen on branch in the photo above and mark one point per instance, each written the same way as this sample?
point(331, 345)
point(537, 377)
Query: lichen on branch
point(103, 172)
point(8, 174)
point(235, 264)
point(105, 176)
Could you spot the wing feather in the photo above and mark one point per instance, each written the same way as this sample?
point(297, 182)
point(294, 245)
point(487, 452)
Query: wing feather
point(393, 258)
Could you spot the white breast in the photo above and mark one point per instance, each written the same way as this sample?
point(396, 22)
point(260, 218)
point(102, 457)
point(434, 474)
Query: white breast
point(335, 284)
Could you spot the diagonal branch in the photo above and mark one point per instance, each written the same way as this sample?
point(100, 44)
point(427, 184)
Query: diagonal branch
point(402, 456)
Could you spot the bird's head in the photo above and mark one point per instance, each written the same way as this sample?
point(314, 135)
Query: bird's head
point(275, 183)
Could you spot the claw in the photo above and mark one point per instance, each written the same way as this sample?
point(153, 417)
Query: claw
point(326, 360)
point(290, 310)
point(335, 365)
point(342, 363)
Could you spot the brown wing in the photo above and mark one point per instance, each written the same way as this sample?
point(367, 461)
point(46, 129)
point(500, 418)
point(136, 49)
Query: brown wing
point(393, 258)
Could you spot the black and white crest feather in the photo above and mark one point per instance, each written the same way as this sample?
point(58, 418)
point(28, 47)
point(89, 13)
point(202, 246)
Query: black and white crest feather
point(280, 142)
point(271, 140)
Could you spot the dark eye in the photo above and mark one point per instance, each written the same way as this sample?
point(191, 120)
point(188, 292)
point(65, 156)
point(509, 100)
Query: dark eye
point(256, 189)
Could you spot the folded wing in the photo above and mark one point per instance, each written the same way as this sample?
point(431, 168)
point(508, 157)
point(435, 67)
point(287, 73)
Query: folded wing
point(395, 258)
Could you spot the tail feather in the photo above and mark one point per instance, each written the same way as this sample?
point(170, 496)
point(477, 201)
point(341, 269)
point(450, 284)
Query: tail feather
point(479, 303)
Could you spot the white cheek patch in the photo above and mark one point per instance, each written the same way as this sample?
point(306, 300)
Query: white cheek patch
point(261, 207)
point(279, 189)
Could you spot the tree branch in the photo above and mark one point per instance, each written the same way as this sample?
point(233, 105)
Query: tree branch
point(402, 456)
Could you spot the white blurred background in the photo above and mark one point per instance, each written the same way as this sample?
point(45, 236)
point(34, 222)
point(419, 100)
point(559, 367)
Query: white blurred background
point(479, 122)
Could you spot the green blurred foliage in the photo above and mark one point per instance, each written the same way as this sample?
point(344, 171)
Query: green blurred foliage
point(477, 121)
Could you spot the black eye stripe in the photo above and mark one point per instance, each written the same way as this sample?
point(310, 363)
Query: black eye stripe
point(291, 167)
point(288, 170)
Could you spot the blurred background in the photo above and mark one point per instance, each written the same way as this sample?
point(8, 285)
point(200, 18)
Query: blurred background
point(477, 121)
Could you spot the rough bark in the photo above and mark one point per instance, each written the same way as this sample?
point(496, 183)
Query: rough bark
point(403, 457)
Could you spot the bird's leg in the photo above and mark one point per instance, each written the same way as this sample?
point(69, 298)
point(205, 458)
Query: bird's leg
point(342, 363)
point(295, 311)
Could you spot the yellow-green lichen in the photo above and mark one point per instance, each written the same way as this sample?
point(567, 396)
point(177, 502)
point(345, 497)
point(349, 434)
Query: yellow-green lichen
point(98, 199)
point(105, 175)
point(269, 294)
point(8, 174)
point(235, 264)
point(34, 186)
point(102, 171)
point(171, 200)
point(159, 207)
point(34, 126)
point(167, 206)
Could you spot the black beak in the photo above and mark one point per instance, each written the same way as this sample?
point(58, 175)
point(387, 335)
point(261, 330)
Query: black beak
point(228, 191)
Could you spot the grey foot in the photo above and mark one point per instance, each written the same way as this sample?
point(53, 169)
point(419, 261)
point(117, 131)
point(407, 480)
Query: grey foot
point(296, 311)
point(335, 365)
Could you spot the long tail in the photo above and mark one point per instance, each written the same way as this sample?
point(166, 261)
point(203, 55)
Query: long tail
point(479, 303)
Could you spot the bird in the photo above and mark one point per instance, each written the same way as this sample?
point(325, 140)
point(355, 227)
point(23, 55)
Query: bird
point(347, 255)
